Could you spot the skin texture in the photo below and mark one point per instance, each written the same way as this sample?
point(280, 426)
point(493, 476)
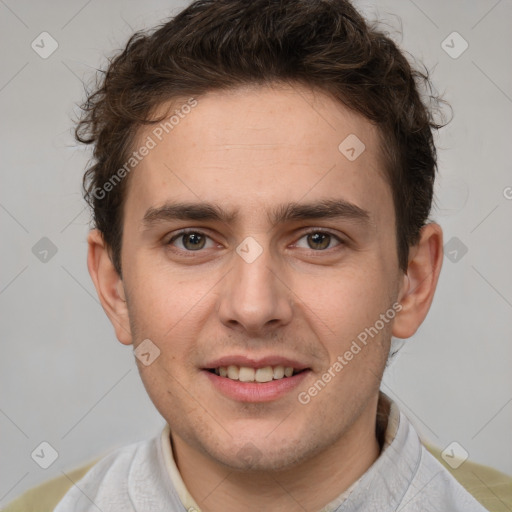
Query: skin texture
point(250, 150)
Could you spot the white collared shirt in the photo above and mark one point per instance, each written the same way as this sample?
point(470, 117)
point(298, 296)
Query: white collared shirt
point(143, 477)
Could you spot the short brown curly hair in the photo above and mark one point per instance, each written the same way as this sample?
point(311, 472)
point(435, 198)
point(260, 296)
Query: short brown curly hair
point(223, 44)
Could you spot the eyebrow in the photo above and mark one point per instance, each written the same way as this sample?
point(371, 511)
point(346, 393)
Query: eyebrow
point(323, 209)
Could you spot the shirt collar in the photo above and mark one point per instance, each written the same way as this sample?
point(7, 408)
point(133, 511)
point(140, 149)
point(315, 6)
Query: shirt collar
point(400, 450)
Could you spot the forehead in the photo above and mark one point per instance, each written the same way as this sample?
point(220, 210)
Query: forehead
point(252, 148)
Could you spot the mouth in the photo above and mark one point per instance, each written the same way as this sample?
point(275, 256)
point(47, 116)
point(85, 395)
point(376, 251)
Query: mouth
point(248, 380)
point(260, 375)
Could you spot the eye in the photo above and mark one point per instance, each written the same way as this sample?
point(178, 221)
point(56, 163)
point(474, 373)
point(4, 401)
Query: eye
point(319, 240)
point(191, 240)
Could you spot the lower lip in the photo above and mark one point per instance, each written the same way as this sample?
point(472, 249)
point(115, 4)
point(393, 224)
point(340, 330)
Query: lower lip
point(254, 391)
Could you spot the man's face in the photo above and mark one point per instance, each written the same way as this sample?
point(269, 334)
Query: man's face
point(259, 288)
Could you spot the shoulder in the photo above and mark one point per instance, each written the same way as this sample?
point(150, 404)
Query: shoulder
point(64, 489)
point(490, 487)
point(133, 478)
point(44, 497)
point(107, 479)
point(430, 483)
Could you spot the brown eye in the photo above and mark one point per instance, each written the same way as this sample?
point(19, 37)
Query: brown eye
point(319, 241)
point(189, 240)
point(193, 241)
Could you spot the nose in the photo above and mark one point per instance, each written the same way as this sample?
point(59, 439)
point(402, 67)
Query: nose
point(255, 298)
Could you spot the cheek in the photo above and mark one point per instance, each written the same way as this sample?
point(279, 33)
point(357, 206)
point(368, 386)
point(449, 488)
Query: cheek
point(345, 302)
point(170, 310)
point(163, 298)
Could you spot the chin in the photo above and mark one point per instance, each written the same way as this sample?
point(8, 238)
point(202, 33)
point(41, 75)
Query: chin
point(256, 456)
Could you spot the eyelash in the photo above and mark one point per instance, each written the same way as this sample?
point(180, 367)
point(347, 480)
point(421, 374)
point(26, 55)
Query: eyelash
point(199, 232)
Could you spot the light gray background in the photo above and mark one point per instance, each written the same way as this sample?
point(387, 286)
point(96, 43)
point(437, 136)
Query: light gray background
point(64, 377)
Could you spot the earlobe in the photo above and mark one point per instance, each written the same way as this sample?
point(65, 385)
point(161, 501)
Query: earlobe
point(420, 281)
point(109, 286)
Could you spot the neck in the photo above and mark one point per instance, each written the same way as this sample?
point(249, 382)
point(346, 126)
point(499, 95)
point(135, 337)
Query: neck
point(329, 473)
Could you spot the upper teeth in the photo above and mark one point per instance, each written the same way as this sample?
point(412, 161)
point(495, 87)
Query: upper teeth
point(247, 374)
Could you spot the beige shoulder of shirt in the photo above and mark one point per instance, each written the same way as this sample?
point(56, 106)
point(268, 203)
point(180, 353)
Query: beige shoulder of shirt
point(44, 497)
point(490, 487)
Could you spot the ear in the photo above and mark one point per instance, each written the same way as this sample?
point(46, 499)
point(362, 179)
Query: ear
point(420, 281)
point(109, 286)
